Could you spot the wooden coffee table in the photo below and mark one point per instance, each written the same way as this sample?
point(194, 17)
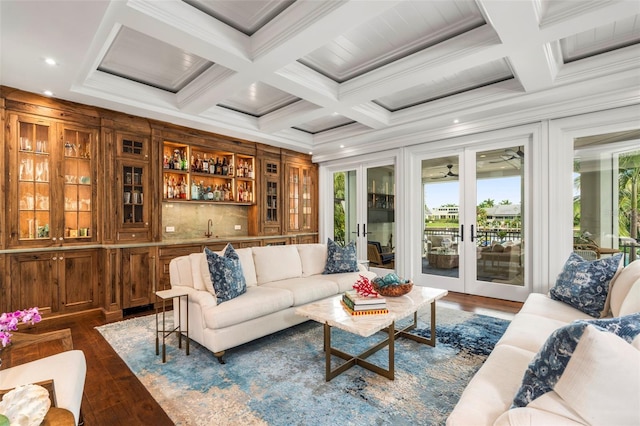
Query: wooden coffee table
point(331, 313)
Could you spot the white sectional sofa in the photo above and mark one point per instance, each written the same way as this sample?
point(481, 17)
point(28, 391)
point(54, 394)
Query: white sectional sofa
point(278, 280)
point(488, 397)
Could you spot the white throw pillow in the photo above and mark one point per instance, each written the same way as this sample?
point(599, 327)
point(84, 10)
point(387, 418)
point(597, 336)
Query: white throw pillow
point(248, 268)
point(275, 263)
point(631, 303)
point(602, 380)
point(313, 258)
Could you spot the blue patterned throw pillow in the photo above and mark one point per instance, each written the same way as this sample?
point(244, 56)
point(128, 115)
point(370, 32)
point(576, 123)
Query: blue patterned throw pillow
point(547, 367)
point(340, 259)
point(584, 284)
point(226, 274)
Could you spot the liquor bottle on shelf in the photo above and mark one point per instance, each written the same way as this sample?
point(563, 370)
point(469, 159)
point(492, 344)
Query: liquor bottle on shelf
point(205, 164)
point(225, 166)
point(250, 175)
point(230, 168)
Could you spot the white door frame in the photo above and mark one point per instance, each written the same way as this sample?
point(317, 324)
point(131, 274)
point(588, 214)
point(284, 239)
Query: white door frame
point(360, 165)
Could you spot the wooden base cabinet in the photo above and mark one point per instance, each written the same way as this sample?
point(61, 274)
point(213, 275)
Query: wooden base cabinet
point(55, 282)
point(138, 266)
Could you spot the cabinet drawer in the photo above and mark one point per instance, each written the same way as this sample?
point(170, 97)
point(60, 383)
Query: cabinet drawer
point(133, 236)
point(171, 252)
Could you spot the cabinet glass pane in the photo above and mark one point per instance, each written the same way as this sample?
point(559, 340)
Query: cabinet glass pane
point(294, 198)
point(306, 199)
point(272, 201)
point(77, 184)
point(133, 194)
point(34, 190)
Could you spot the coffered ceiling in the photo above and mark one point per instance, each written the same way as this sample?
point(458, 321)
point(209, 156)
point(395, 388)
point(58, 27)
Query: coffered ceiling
point(332, 77)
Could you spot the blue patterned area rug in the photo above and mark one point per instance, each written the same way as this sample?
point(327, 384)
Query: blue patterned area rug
point(279, 379)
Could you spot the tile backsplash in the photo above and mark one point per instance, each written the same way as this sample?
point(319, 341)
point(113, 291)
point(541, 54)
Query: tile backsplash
point(189, 220)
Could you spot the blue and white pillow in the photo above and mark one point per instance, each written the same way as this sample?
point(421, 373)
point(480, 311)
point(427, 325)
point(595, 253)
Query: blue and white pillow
point(584, 284)
point(340, 259)
point(547, 367)
point(226, 274)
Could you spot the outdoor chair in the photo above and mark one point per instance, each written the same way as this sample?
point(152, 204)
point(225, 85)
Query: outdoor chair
point(376, 256)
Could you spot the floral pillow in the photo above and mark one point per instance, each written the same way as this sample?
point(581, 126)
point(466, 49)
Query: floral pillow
point(226, 274)
point(340, 259)
point(548, 366)
point(584, 284)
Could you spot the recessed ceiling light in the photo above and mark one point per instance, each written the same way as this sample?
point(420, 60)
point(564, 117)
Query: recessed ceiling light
point(341, 146)
point(48, 92)
point(310, 152)
point(456, 121)
point(50, 61)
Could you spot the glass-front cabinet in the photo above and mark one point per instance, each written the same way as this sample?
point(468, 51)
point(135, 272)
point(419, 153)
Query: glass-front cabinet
point(54, 189)
point(132, 177)
point(299, 215)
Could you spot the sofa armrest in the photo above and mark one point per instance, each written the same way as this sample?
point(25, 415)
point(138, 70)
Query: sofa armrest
point(201, 297)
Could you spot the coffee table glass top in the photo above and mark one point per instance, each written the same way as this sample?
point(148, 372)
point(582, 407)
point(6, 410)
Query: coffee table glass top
point(330, 311)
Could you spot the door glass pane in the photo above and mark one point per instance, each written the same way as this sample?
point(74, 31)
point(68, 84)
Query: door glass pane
point(344, 207)
point(441, 188)
point(381, 216)
point(499, 232)
point(606, 185)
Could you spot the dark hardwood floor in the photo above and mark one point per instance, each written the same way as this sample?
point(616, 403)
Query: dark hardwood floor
point(114, 396)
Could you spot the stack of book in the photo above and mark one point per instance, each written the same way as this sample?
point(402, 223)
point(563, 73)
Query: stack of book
point(361, 305)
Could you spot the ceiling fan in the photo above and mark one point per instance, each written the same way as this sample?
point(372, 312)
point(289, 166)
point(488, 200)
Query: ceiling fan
point(448, 174)
point(509, 155)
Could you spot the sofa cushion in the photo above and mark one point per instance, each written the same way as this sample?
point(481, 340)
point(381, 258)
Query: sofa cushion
point(306, 290)
point(530, 332)
point(346, 280)
point(622, 284)
point(549, 409)
point(340, 259)
point(275, 263)
point(313, 258)
point(490, 391)
point(550, 363)
point(226, 274)
point(584, 284)
point(543, 306)
point(631, 303)
point(256, 302)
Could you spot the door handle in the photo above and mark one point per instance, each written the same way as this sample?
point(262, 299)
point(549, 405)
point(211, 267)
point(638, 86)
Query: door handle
point(364, 230)
point(461, 233)
point(357, 231)
point(472, 236)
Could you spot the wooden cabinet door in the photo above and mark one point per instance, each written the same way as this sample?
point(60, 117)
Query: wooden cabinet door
point(300, 198)
point(138, 276)
point(31, 199)
point(34, 282)
point(77, 277)
point(133, 202)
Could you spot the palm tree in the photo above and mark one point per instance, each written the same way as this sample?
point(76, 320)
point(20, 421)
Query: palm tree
point(487, 203)
point(628, 194)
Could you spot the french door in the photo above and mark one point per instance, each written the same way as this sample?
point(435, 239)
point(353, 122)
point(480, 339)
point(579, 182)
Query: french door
point(472, 220)
point(364, 210)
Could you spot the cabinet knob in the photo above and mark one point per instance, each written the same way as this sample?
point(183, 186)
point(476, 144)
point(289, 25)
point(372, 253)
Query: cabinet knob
point(61, 238)
point(133, 235)
point(61, 258)
point(54, 238)
point(55, 258)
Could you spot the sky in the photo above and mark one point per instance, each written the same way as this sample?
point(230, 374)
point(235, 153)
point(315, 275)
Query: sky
point(497, 189)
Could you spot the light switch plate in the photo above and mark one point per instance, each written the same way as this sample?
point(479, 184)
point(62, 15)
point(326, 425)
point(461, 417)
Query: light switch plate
point(170, 229)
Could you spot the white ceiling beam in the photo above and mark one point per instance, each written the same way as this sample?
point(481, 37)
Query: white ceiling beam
point(516, 23)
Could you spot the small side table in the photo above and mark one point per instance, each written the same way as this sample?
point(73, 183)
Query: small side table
point(165, 295)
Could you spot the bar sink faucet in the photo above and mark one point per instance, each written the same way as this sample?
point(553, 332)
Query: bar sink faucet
point(208, 234)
